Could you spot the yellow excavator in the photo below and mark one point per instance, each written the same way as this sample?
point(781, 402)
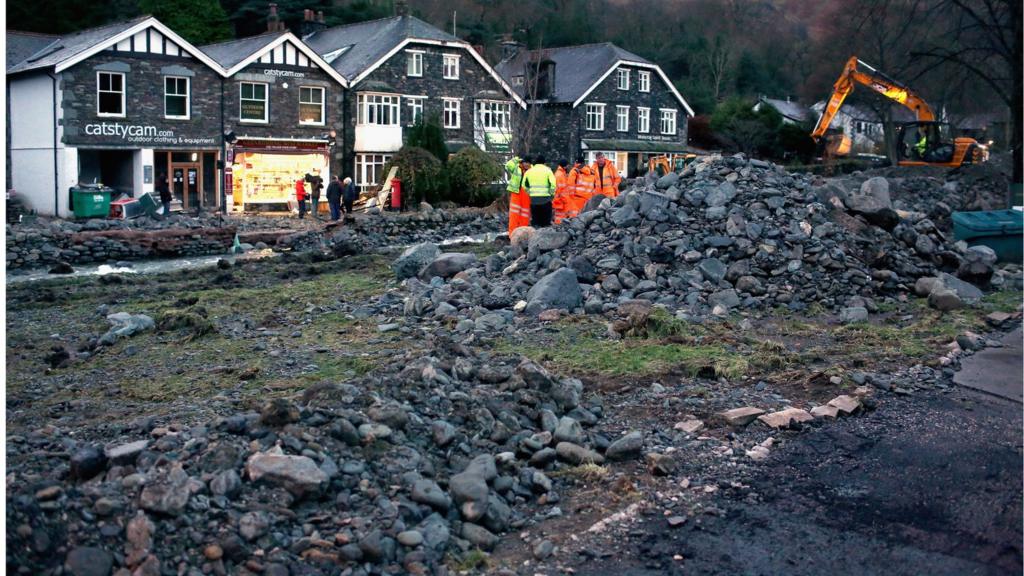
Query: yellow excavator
point(925, 142)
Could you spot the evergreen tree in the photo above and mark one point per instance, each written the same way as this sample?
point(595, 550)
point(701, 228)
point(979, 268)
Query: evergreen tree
point(198, 21)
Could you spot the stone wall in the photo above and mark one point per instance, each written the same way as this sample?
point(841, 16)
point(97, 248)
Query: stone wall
point(553, 132)
point(144, 102)
point(47, 246)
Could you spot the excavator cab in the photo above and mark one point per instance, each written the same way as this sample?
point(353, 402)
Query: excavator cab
point(933, 144)
point(928, 142)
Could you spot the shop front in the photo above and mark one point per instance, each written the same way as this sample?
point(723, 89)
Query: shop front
point(264, 171)
point(191, 176)
point(630, 156)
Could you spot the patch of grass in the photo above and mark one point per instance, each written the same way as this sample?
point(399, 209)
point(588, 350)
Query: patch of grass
point(661, 324)
point(1002, 301)
point(588, 472)
point(471, 560)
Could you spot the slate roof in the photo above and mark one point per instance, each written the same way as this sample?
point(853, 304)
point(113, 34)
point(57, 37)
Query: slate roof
point(67, 46)
point(791, 110)
point(577, 68)
point(368, 42)
point(231, 52)
point(21, 45)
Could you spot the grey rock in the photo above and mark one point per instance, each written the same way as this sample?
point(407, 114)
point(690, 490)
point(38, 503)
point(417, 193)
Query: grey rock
point(627, 447)
point(569, 430)
point(625, 217)
point(89, 561)
point(447, 265)
point(297, 474)
point(713, 269)
point(252, 525)
point(87, 462)
point(853, 314)
point(559, 289)
point(469, 491)
point(169, 494)
point(426, 491)
point(547, 239)
point(479, 536)
point(414, 259)
point(725, 298)
point(721, 195)
point(576, 454)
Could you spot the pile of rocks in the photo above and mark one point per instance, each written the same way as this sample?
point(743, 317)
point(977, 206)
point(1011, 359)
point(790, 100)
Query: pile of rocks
point(938, 192)
point(386, 474)
point(726, 233)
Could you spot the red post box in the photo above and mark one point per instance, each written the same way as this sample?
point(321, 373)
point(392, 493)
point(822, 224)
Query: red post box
point(396, 194)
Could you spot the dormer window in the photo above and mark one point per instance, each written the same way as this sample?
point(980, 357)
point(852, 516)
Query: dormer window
point(623, 79)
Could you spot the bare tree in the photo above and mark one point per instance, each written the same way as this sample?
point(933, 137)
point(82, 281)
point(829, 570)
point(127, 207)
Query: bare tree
point(985, 37)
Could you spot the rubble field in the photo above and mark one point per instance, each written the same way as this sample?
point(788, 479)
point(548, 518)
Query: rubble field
point(506, 407)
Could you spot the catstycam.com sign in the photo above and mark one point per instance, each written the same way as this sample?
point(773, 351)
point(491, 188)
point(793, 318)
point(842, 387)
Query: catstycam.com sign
point(142, 134)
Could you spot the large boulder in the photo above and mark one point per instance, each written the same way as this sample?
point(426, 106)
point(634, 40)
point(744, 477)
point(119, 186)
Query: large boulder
point(298, 474)
point(721, 195)
point(414, 259)
point(559, 289)
point(977, 265)
point(448, 264)
point(550, 238)
point(625, 217)
point(872, 201)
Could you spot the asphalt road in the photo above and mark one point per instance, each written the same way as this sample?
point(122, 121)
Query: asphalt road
point(927, 484)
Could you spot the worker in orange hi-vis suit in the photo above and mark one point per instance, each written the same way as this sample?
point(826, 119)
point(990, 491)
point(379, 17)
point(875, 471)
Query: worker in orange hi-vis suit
point(607, 176)
point(518, 199)
point(586, 182)
point(563, 193)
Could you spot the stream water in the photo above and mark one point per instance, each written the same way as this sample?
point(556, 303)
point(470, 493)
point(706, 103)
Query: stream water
point(188, 263)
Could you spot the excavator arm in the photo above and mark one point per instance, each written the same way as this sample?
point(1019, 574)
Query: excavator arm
point(857, 72)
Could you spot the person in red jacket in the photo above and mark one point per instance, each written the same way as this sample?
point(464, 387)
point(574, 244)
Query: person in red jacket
point(300, 196)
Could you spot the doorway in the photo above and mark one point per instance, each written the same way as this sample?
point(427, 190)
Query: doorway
point(192, 177)
point(185, 185)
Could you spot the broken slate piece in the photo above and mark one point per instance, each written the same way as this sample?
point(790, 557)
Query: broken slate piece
point(784, 418)
point(825, 411)
point(845, 404)
point(741, 416)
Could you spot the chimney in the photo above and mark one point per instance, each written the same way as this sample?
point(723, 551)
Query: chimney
point(312, 22)
point(509, 47)
point(273, 22)
point(479, 49)
point(401, 8)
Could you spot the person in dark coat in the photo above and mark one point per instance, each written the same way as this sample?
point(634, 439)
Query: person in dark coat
point(315, 187)
point(164, 190)
point(334, 198)
point(349, 194)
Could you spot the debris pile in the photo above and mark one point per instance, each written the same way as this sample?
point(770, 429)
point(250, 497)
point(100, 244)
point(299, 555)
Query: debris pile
point(438, 452)
point(727, 233)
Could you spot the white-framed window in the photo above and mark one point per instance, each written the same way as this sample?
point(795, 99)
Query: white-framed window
point(252, 102)
point(643, 120)
point(644, 77)
point(494, 116)
point(517, 80)
point(370, 169)
point(451, 66)
point(668, 121)
point(623, 82)
point(452, 113)
point(595, 116)
point(622, 118)
point(109, 94)
point(311, 105)
point(176, 97)
point(378, 109)
point(414, 66)
point(415, 108)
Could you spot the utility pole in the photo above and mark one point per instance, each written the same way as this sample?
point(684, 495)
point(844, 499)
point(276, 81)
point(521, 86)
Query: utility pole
point(455, 15)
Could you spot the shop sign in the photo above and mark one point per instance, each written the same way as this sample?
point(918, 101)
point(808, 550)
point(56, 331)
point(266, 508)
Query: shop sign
point(654, 137)
point(281, 146)
point(142, 134)
point(498, 142)
point(253, 110)
point(288, 73)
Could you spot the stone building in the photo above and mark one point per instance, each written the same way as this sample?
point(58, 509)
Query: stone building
point(402, 68)
point(99, 105)
point(596, 98)
point(283, 117)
